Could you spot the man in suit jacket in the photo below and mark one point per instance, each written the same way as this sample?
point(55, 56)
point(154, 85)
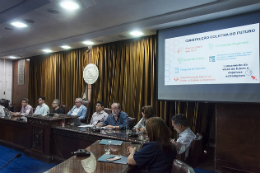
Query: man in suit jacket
point(78, 109)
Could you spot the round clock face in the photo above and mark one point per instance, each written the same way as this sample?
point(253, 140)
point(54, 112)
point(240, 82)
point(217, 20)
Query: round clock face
point(89, 164)
point(248, 72)
point(90, 73)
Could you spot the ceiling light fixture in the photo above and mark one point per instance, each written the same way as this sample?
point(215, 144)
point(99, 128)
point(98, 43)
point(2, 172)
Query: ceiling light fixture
point(88, 42)
point(12, 57)
point(136, 33)
point(65, 47)
point(47, 50)
point(69, 5)
point(19, 24)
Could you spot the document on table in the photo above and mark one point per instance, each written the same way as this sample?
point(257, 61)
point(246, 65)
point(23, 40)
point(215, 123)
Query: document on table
point(88, 125)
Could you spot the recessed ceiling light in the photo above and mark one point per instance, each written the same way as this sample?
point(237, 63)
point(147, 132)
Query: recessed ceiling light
point(136, 33)
point(88, 42)
point(66, 47)
point(47, 50)
point(69, 5)
point(28, 59)
point(12, 57)
point(19, 24)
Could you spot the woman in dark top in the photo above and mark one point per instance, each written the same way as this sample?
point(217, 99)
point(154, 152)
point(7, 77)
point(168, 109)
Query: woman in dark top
point(159, 153)
point(56, 107)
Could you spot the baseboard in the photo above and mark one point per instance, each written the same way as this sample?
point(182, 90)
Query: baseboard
point(13, 146)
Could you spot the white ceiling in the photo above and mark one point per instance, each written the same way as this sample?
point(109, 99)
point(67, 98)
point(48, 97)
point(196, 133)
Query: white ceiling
point(101, 21)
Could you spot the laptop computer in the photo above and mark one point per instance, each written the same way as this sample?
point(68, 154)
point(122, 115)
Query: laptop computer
point(75, 122)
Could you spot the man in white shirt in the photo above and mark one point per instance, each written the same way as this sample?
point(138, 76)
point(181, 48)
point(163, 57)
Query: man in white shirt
point(100, 115)
point(42, 108)
point(78, 109)
point(2, 113)
point(186, 136)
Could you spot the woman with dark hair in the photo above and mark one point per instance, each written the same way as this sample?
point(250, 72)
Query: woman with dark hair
point(159, 153)
point(147, 112)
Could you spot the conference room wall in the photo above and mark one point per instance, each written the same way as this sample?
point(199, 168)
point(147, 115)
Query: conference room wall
point(19, 91)
point(6, 79)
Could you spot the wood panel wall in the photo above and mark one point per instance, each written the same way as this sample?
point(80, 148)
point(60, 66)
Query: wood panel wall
point(20, 91)
point(238, 137)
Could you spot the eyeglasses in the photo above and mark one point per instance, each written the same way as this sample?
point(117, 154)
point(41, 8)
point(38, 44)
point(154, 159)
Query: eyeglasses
point(76, 102)
point(114, 108)
point(24, 102)
point(54, 103)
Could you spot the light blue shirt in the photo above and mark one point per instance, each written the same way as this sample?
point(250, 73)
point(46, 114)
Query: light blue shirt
point(43, 109)
point(82, 112)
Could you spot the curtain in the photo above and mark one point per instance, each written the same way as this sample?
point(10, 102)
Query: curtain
point(127, 75)
point(57, 76)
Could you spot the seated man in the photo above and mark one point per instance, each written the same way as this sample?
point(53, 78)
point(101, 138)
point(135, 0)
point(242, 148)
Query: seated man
point(25, 110)
point(56, 107)
point(117, 120)
point(42, 108)
point(78, 109)
point(186, 136)
point(100, 115)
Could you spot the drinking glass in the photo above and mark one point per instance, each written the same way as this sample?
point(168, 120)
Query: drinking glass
point(107, 147)
point(140, 135)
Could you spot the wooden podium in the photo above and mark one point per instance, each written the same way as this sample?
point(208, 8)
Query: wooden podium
point(40, 135)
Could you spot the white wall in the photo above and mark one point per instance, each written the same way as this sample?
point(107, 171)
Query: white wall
point(6, 79)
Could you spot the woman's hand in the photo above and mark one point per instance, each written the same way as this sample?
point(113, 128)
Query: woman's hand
point(143, 130)
point(131, 150)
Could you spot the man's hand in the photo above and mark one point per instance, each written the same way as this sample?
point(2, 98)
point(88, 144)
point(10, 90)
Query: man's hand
point(13, 113)
point(137, 129)
point(131, 150)
point(99, 124)
point(173, 141)
point(109, 127)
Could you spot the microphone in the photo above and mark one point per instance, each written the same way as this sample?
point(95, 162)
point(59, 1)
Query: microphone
point(98, 122)
point(17, 156)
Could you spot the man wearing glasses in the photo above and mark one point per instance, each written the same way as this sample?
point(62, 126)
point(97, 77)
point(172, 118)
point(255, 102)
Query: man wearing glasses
point(78, 109)
point(56, 107)
point(25, 110)
point(117, 120)
point(42, 108)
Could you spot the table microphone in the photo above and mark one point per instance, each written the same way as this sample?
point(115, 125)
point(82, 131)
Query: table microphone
point(17, 156)
point(96, 129)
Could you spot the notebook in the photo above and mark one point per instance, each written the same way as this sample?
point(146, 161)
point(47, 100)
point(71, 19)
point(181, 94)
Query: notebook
point(113, 142)
point(104, 158)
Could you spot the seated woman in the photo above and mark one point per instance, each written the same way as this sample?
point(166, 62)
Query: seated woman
point(159, 153)
point(56, 107)
point(147, 112)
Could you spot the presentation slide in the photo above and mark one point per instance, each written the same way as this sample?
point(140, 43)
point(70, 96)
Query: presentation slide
point(227, 56)
point(212, 61)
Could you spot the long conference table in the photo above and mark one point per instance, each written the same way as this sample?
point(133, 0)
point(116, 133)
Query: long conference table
point(44, 138)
